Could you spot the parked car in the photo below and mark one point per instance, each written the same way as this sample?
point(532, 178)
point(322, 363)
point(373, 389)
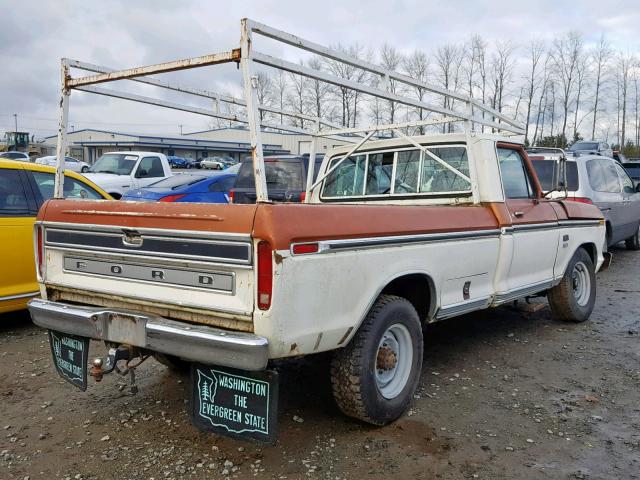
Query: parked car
point(19, 156)
point(286, 178)
point(603, 182)
point(23, 189)
point(593, 147)
point(180, 162)
point(633, 169)
point(187, 187)
point(117, 172)
point(213, 163)
point(70, 163)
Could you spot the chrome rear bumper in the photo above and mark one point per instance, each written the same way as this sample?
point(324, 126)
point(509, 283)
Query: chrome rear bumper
point(198, 343)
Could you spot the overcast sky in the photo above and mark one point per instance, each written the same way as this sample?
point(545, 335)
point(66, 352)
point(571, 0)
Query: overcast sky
point(118, 33)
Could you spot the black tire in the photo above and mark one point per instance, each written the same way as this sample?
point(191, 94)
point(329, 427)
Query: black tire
point(633, 242)
point(174, 363)
point(572, 300)
point(116, 196)
point(353, 368)
point(84, 169)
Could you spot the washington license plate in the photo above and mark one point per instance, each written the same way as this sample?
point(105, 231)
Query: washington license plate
point(70, 357)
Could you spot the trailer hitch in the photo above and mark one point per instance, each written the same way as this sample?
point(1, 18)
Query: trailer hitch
point(125, 353)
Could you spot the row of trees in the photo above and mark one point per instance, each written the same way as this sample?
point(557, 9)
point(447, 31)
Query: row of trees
point(561, 90)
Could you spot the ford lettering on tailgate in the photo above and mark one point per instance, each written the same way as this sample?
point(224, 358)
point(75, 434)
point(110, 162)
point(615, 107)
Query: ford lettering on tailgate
point(223, 281)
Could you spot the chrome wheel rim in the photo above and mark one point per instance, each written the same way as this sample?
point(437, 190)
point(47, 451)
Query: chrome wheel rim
point(394, 358)
point(581, 283)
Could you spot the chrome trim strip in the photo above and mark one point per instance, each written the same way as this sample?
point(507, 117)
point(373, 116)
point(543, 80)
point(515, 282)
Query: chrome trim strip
point(198, 343)
point(528, 227)
point(91, 227)
point(160, 261)
point(326, 246)
point(21, 295)
point(522, 292)
point(245, 259)
point(580, 223)
point(461, 308)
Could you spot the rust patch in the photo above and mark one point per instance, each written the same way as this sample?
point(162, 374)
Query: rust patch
point(277, 258)
point(294, 349)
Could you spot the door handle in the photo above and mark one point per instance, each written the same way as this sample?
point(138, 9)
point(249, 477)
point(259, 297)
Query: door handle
point(518, 214)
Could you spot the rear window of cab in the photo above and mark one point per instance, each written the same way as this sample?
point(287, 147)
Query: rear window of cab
point(442, 170)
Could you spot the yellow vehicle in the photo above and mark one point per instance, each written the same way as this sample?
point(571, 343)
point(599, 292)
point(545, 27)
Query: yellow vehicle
point(23, 189)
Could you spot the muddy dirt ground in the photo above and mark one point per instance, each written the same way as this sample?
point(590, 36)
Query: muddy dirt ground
point(504, 394)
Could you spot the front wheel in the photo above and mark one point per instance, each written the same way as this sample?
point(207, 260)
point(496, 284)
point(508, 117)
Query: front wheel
point(84, 169)
point(633, 242)
point(572, 300)
point(375, 377)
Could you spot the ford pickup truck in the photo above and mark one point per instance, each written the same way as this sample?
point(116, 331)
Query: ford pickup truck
point(398, 235)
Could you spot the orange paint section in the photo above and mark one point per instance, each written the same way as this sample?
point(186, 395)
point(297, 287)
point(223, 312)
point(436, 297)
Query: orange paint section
point(284, 224)
point(205, 217)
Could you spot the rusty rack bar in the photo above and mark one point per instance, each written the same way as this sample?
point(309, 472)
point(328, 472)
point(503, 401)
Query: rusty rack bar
point(246, 57)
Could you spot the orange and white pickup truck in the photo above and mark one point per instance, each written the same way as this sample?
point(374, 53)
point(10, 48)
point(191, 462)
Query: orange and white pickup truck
point(394, 237)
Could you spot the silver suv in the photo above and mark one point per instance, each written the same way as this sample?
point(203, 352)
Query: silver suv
point(603, 182)
point(594, 146)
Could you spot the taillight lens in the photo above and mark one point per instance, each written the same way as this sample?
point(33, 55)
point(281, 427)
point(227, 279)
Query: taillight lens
point(581, 200)
point(303, 197)
point(172, 198)
point(231, 195)
point(40, 250)
point(265, 275)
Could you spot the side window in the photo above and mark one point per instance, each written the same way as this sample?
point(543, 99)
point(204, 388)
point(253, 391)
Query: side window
point(72, 188)
point(627, 183)
point(603, 176)
point(515, 178)
point(223, 185)
point(379, 171)
point(13, 198)
point(407, 172)
point(438, 178)
point(150, 167)
point(347, 180)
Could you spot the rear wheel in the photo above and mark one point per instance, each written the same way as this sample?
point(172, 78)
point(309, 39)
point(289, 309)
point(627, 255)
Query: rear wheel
point(84, 169)
point(633, 242)
point(572, 300)
point(375, 376)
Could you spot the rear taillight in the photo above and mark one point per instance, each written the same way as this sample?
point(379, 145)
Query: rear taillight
point(303, 197)
point(265, 275)
point(39, 251)
point(231, 195)
point(172, 198)
point(581, 200)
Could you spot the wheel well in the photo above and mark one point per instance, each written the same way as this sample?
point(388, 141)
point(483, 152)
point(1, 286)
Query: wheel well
point(116, 195)
point(591, 249)
point(418, 289)
point(608, 232)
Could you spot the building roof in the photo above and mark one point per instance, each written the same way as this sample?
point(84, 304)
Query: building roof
point(142, 140)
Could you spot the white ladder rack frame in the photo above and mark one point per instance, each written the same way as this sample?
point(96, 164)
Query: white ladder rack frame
point(246, 57)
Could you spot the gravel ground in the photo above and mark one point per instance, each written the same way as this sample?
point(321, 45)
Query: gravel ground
point(504, 393)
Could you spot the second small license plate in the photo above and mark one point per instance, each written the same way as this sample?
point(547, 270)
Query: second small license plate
point(70, 357)
point(235, 403)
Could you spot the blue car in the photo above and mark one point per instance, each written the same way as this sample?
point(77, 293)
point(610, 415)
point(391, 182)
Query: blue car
point(187, 187)
point(180, 162)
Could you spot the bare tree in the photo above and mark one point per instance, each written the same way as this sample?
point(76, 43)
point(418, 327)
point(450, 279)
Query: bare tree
point(297, 97)
point(601, 57)
point(279, 91)
point(501, 73)
point(318, 92)
point(416, 66)
point(625, 62)
point(448, 60)
point(264, 90)
point(536, 52)
point(581, 79)
point(567, 51)
point(391, 59)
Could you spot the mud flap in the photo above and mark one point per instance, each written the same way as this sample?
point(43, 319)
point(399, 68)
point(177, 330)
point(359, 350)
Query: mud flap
point(70, 357)
point(235, 403)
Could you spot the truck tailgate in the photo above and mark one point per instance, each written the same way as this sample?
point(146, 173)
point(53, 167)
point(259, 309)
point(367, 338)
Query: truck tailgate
point(134, 255)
